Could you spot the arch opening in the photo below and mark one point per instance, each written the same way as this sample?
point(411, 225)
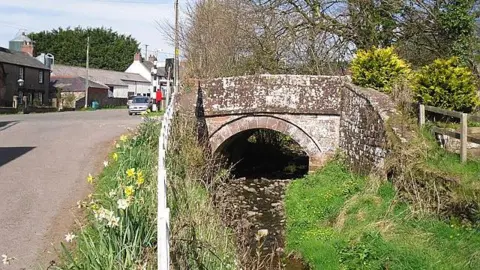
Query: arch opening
point(264, 153)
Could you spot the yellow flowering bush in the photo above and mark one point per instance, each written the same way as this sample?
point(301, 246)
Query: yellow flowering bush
point(379, 68)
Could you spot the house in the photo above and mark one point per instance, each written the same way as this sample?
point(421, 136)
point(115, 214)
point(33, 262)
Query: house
point(120, 84)
point(72, 91)
point(23, 76)
point(151, 70)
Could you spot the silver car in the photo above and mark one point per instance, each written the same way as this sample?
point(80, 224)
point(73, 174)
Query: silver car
point(138, 105)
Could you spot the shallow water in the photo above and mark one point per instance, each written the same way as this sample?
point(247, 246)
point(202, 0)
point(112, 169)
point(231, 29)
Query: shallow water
point(257, 204)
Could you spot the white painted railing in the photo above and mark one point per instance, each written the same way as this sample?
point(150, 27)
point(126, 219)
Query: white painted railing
point(163, 212)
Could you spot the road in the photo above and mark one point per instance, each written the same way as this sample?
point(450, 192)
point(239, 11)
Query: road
point(44, 162)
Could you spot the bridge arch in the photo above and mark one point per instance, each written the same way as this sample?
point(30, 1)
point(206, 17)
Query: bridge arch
point(228, 130)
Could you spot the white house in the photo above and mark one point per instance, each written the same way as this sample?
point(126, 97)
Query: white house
point(151, 70)
point(120, 84)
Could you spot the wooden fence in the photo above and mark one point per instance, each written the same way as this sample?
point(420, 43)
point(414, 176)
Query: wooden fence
point(462, 135)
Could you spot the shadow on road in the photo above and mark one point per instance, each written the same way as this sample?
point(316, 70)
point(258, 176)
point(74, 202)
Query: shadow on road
point(8, 154)
point(6, 124)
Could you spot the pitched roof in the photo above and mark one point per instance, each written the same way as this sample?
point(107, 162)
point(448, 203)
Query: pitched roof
point(101, 76)
point(74, 84)
point(20, 59)
point(160, 69)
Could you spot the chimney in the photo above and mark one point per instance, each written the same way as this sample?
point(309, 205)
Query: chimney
point(137, 57)
point(152, 58)
point(27, 47)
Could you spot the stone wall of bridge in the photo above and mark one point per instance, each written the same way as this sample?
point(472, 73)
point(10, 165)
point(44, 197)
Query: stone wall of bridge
point(321, 113)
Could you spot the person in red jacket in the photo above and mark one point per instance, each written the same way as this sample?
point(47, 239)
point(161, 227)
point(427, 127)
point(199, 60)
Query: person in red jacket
point(158, 98)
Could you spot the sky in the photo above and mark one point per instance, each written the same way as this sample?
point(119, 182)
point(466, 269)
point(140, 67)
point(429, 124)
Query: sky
point(132, 17)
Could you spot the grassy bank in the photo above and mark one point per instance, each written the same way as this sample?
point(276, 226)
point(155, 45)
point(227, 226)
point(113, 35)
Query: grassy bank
point(337, 220)
point(199, 238)
point(120, 228)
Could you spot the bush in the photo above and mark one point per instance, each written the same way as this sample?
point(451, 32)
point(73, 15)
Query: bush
point(446, 84)
point(378, 68)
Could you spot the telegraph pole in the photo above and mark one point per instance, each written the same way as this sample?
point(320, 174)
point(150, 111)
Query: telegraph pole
point(86, 79)
point(146, 52)
point(176, 70)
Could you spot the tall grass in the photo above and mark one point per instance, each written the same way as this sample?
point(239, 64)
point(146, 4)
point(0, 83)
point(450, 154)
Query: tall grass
point(120, 230)
point(199, 240)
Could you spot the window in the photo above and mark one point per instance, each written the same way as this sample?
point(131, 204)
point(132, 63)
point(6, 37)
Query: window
point(110, 91)
point(40, 76)
point(155, 77)
point(154, 88)
point(140, 100)
point(148, 94)
point(21, 73)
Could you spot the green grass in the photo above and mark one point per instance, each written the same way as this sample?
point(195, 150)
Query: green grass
point(448, 163)
point(336, 220)
point(157, 113)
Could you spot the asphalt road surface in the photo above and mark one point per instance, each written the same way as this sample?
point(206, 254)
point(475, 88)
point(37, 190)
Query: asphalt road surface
point(44, 162)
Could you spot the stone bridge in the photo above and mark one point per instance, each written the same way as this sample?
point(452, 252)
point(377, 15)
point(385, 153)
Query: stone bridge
point(321, 113)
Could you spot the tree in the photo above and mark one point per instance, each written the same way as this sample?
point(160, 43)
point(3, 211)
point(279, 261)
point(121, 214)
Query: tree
point(108, 49)
point(439, 29)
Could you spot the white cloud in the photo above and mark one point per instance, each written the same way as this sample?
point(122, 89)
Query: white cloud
point(136, 19)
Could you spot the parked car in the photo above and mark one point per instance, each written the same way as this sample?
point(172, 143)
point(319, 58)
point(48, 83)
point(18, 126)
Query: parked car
point(139, 104)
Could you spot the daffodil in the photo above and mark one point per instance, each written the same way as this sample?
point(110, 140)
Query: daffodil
point(113, 221)
point(140, 178)
point(115, 156)
point(131, 172)
point(123, 138)
point(117, 145)
point(90, 179)
point(112, 193)
point(122, 204)
point(69, 237)
point(105, 163)
point(129, 191)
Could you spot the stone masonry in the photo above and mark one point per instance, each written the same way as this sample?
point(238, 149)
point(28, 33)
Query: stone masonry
point(321, 113)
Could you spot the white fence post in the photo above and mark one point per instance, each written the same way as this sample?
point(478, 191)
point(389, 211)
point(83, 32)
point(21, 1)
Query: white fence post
point(163, 212)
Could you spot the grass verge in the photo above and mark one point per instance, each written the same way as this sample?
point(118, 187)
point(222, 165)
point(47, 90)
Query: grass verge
point(337, 220)
point(120, 230)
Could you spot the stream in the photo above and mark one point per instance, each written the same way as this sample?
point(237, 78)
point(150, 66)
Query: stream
point(263, 162)
point(255, 207)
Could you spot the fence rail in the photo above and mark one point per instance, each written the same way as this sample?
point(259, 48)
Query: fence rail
point(163, 212)
point(462, 135)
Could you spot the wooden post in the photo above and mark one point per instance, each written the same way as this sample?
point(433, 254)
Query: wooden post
point(422, 115)
point(463, 137)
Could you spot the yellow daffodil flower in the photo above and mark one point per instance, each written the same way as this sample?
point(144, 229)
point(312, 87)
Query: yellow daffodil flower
point(129, 191)
point(90, 179)
point(140, 178)
point(115, 156)
point(123, 138)
point(131, 172)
